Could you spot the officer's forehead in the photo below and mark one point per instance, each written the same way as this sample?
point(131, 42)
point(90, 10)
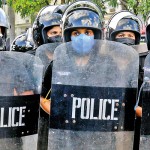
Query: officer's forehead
point(126, 32)
point(82, 29)
point(56, 27)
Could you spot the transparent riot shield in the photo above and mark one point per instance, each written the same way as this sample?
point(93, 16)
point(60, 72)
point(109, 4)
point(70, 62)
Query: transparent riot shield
point(143, 52)
point(20, 86)
point(145, 123)
point(93, 97)
point(45, 53)
point(141, 49)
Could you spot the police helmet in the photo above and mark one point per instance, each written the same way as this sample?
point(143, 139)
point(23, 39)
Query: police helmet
point(82, 14)
point(3, 23)
point(124, 21)
point(21, 44)
point(148, 32)
point(48, 17)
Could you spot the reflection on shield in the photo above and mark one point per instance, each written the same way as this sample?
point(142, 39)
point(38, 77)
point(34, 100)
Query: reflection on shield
point(93, 97)
point(145, 125)
point(20, 84)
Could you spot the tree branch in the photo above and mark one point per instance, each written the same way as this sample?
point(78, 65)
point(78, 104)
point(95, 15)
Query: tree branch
point(135, 7)
point(47, 2)
point(124, 4)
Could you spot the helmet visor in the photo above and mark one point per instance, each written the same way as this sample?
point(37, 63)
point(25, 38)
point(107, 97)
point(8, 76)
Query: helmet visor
point(128, 24)
point(83, 18)
point(50, 18)
point(3, 19)
point(115, 19)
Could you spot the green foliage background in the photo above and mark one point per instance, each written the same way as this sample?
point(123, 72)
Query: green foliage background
point(31, 7)
point(27, 7)
point(141, 7)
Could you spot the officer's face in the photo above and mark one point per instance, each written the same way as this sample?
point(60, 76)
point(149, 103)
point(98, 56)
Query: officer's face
point(130, 35)
point(85, 31)
point(54, 31)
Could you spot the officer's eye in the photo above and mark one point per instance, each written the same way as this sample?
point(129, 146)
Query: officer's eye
point(53, 33)
point(120, 35)
point(130, 35)
point(75, 33)
point(89, 32)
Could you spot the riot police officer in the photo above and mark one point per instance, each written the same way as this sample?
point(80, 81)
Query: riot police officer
point(46, 27)
point(46, 31)
point(144, 110)
point(142, 56)
point(124, 27)
point(4, 25)
point(81, 24)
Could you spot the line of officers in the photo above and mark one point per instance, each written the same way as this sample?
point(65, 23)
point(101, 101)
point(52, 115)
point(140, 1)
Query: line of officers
point(51, 26)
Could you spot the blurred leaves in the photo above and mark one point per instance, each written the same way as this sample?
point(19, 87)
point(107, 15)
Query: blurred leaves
point(27, 7)
point(101, 4)
point(141, 7)
point(30, 7)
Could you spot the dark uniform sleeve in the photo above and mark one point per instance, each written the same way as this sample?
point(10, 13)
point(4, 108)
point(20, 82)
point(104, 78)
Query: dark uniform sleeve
point(46, 85)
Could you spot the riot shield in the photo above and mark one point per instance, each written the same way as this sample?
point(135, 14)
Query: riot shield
point(143, 52)
point(20, 86)
point(45, 53)
point(145, 123)
point(141, 49)
point(93, 97)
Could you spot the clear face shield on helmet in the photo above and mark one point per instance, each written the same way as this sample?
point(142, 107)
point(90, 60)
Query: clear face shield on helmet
point(3, 19)
point(113, 21)
point(4, 25)
point(30, 35)
point(82, 14)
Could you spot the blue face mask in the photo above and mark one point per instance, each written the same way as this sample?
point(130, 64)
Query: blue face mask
point(82, 44)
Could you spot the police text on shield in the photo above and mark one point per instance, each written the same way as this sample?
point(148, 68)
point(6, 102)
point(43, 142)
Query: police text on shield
point(86, 106)
point(12, 116)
